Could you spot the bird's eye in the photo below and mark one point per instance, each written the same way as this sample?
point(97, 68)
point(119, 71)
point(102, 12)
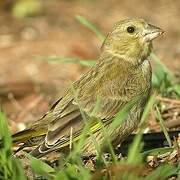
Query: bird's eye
point(130, 29)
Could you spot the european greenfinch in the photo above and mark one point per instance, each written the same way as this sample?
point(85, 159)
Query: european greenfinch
point(122, 73)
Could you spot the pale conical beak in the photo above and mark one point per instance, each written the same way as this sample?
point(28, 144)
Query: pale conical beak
point(151, 32)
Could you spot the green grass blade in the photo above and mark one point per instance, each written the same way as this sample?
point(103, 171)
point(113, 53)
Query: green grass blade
point(90, 26)
point(74, 60)
point(40, 168)
point(163, 127)
point(86, 132)
point(10, 167)
point(5, 134)
point(134, 155)
point(157, 151)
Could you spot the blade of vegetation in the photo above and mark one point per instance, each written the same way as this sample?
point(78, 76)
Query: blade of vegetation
point(134, 155)
point(104, 130)
point(73, 60)
point(5, 151)
point(73, 172)
point(10, 167)
point(161, 121)
point(121, 115)
point(87, 131)
point(175, 88)
point(157, 151)
point(40, 168)
point(147, 109)
point(4, 134)
point(90, 26)
point(178, 175)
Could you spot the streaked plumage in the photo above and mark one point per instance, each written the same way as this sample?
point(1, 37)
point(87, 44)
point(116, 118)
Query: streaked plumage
point(122, 72)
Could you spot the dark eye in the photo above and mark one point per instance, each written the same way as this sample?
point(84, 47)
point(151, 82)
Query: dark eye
point(130, 29)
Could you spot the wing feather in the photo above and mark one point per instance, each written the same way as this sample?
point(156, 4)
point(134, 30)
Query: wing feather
point(114, 91)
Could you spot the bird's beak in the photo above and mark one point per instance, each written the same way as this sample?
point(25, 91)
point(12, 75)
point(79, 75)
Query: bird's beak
point(151, 32)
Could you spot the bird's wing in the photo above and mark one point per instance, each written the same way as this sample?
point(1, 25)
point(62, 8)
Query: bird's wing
point(70, 122)
point(71, 119)
point(66, 115)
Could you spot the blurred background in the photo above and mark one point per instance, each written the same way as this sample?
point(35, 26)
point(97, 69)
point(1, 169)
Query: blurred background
point(32, 29)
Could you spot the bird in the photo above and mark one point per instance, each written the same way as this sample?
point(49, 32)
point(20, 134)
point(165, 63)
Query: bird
point(122, 72)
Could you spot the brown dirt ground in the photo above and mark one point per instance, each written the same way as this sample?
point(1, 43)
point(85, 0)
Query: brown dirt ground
point(28, 86)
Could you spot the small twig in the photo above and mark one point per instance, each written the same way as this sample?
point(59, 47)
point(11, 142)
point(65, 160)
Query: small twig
point(177, 107)
point(170, 114)
point(172, 123)
point(173, 101)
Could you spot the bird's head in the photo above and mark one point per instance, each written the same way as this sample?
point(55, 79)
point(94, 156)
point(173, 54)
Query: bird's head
point(131, 39)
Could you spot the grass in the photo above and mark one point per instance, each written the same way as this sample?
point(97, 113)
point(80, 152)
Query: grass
point(10, 166)
point(72, 166)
